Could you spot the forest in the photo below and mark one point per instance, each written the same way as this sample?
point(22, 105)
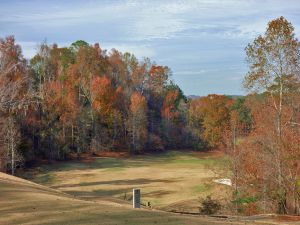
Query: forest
point(66, 101)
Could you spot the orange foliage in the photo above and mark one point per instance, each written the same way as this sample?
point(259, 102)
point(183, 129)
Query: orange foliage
point(158, 76)
point(62, 100)
point(138, 102)
point(214, 116)
point(169, 110)
point(103, 95)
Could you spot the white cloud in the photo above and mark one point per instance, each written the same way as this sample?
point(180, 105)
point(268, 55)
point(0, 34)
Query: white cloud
point(203, 39)
point(146, 20)
point(139, 50)
point(190, 72)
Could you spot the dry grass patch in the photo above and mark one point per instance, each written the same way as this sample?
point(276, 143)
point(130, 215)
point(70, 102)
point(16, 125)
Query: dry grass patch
point(24, 202)
point(164, 179)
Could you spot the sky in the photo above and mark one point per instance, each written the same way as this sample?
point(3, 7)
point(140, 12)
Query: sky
point(202, 41)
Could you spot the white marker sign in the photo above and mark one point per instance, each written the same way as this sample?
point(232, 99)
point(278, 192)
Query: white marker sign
point(136, 198)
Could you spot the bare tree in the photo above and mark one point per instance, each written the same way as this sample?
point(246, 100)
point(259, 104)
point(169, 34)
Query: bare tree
point(13, 98)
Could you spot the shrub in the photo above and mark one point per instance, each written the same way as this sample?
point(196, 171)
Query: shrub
point(250, 209)
point(155, 143)
point(209, 206)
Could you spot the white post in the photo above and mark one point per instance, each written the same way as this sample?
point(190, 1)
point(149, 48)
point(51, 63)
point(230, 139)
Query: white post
point(136, 198)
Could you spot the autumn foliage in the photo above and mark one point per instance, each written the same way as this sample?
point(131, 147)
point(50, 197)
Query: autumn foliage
point(85, 99)
point(103, 95)
point(267, 161)
point(81, 98)
point(212, 115)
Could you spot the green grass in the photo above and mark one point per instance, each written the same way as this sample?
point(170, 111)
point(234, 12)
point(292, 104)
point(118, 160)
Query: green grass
point(115, 169)
point(202, 188)
point(47, 178)
point(187, 160)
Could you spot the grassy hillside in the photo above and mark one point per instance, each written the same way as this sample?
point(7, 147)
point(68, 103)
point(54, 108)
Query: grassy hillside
point(91, 191)
point(169, 181)
point(23, 202)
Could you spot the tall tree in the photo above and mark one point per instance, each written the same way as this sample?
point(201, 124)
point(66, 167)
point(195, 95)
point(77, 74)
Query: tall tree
point(274, 63)
point(213, 114)
point(14, 83)
point(138, 122)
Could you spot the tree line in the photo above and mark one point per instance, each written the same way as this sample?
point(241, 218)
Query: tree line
point(68, 100)
point(82, 98)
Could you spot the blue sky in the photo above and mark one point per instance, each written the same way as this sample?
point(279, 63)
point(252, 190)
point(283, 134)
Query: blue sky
point(202, 41)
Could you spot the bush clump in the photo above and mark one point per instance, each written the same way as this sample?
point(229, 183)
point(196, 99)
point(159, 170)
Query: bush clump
point(209, 206)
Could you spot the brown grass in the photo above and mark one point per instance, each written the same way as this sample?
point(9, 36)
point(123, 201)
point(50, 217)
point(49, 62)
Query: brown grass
point(23, 202)
point(172, 180)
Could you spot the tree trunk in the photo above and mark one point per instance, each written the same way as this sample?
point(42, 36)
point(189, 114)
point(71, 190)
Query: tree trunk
point(12, 157)
point(72, 135)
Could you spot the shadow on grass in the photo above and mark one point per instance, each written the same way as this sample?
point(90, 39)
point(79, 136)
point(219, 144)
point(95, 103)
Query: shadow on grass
point(99, 193)
point(115, 163)
point(156, 194)
point(134, 182)
point(119, 193)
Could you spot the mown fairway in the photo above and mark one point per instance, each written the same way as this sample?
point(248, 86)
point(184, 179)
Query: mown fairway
point(23, 202)
point(170, 181)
